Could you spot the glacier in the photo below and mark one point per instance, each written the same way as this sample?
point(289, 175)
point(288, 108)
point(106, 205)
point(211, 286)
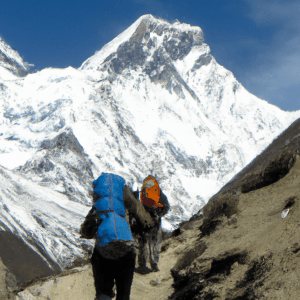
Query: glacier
point(152, 101)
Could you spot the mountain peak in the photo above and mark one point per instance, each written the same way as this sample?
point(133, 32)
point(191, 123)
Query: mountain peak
point(11, 61)
point(144, 36)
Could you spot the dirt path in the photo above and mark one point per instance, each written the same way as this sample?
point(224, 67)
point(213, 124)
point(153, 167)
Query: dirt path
point(79, 284)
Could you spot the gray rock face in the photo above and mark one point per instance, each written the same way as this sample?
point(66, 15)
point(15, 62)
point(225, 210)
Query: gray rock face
point(203, 60)
point(144, 51)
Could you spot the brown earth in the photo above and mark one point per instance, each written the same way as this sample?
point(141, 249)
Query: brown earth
point(240, 249)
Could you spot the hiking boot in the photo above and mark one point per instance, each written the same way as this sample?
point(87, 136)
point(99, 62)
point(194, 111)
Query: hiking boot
point(154, 268)
point(103, 297)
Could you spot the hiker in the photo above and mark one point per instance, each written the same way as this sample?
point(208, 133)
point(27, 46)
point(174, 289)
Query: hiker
point(156, 203)
point(114, 255)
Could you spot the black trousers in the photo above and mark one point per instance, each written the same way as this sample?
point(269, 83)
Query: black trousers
point(106, 271)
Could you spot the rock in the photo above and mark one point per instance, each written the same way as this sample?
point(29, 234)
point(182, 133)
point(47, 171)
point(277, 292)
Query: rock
point(284, 213)
point(155, 282)
point(25, 295)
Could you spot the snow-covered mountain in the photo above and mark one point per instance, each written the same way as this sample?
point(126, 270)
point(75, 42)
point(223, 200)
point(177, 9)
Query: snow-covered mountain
point(152, 101)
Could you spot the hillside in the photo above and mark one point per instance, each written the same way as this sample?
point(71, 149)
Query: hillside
point(248, 247)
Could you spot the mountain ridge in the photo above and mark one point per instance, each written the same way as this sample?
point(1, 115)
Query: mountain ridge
point(11, 61)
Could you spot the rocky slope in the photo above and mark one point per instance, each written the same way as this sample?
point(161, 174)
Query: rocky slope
point(152, 101)
point(248, 243)
point(243, 245)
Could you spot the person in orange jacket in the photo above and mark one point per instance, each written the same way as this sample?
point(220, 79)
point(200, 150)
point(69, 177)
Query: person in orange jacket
point(156, 203)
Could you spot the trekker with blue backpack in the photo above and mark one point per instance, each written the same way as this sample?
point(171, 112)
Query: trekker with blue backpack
point(114, 256)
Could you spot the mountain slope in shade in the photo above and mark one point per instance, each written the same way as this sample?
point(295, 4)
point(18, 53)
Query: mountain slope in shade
point(152, 101)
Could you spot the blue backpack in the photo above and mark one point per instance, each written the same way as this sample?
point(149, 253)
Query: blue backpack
point(113, 237)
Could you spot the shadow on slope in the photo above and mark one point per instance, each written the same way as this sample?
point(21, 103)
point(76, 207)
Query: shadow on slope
point(24, 264)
